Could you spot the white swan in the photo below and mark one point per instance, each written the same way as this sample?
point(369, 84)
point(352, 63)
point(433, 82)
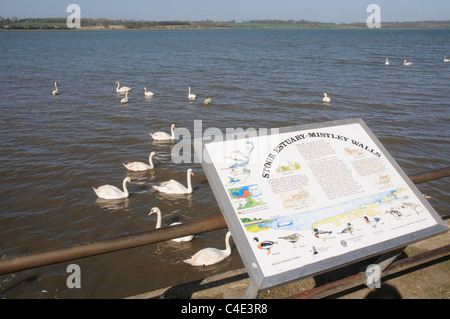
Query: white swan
point(158, 225)
point(55, 91)
point(210, 256)
point(125, 99)
point(191, 96)
point(207, 101)
point(123, 89)
point(148, 93)
point(326, 98)
point(387, 61)
point(139, 166)
point(406, 62)
point(112, 192)
point(174, 187)
point(162, 136)
point(446, 59)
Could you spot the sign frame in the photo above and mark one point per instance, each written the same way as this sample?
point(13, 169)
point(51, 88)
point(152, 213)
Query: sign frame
point(258, 279)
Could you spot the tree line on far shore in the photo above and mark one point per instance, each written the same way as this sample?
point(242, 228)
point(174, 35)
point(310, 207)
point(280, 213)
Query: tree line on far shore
point(14, 23)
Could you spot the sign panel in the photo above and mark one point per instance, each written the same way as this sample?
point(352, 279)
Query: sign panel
point(312, 198)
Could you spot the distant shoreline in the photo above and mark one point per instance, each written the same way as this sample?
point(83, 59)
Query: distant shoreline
point(102, 24)
point(210, 28)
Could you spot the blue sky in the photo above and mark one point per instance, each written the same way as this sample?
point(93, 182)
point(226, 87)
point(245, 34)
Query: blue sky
point(314, 10)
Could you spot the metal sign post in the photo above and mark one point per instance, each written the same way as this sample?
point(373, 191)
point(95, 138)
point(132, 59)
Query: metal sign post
point(312, 198)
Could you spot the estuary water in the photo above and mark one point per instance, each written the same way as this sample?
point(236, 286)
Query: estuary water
point(54, 149)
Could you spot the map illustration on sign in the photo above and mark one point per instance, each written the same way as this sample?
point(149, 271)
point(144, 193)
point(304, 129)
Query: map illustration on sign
point(375, 205)
point(315, 196)
point(246, 197)
point(238, 171)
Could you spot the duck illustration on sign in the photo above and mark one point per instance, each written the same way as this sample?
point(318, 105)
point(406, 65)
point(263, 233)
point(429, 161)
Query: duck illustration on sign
point(264, 245)
point(372, 221)
point(321, 233)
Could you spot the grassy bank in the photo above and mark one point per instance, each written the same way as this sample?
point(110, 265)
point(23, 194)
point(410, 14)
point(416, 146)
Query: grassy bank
point(106, 24)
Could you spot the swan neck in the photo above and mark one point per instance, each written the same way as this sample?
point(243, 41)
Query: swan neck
point(150, 160)
point(173, 133)
point(125, 189)
point(158, 220)
point(227, 242)
point(189, 184)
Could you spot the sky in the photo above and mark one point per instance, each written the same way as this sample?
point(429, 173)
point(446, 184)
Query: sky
point(337, 11)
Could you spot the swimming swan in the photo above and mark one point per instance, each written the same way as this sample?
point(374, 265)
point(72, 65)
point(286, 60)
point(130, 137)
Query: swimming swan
point(123, 89)
point(139, 166)
point(158, 225)
point(148, 93)
point(387, 61)
point(55, 91)
point(191, 96)
point(406, 63)
point(112, 192)
point(326, 98)
point(210, 256)
point(207, 101)
point(446, 59)
point(174, 187)
point(125, 99)
point(162, 136)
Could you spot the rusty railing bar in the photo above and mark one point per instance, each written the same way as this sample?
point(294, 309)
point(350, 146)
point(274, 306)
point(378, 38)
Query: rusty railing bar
point(430, 175)
point(93, 248)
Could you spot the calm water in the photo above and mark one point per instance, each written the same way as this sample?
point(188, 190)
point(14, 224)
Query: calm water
point(54, 149)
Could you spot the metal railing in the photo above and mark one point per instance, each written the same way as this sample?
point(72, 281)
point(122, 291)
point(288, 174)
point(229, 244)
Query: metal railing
point(93, 248)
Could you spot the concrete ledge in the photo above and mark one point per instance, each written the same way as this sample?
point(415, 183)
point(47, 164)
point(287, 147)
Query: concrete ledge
point(228, 285)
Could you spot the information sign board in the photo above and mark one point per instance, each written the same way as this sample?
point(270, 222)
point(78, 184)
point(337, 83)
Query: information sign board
point(312, 198)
